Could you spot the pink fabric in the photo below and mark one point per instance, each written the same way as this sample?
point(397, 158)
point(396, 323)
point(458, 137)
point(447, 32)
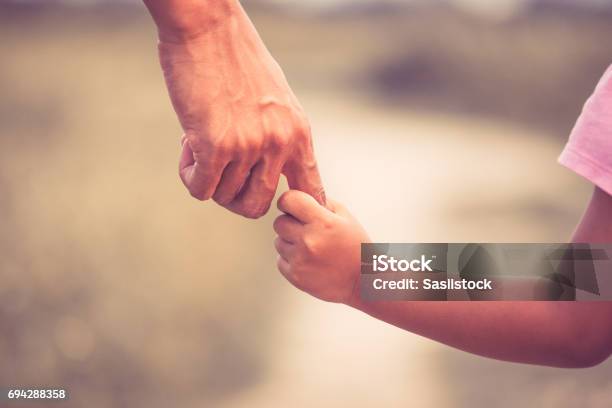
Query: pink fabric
point(589, 149)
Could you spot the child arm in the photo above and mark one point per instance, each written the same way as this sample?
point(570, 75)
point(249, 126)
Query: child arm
point(561, 334)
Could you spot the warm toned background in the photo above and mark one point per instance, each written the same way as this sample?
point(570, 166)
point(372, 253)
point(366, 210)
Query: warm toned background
point(432, 122)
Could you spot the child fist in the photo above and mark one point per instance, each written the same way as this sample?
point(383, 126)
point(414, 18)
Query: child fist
point(319, 248)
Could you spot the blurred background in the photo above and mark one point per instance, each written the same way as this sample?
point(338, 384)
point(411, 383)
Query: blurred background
point(433, 121)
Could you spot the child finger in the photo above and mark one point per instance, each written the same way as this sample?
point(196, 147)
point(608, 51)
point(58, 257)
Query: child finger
point(284, 248)
point(284, 268)
point(301, 206)
point(288, 228)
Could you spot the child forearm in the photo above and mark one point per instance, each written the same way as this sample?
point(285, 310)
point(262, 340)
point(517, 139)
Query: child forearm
point(527, 332)
point(543, 333)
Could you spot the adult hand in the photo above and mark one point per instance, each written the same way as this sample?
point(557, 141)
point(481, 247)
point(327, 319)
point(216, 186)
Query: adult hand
point(242, 124)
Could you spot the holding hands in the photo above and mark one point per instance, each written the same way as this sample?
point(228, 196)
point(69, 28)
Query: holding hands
point(243, 127)
point(319, 248)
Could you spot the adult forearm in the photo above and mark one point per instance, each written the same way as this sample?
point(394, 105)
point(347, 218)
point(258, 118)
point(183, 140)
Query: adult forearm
point(180, 20)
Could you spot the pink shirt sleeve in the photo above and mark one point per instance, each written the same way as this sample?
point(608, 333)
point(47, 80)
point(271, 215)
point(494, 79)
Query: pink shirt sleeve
point(589, 149)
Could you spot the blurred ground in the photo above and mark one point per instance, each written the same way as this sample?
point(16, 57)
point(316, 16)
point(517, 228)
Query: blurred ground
point(430, 124)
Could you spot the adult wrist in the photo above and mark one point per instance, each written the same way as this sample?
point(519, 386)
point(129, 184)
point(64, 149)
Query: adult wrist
point(180, 21)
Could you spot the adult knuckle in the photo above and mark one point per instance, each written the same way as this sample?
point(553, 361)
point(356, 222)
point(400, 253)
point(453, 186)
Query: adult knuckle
point(196, 144)
point(251, 214)
point(278, 142)
point(302, 128)
point(222, 198)
point(267, 187)
point(263, 210)
point(198, 194)
point(254, 211)
point(215, 142)
point(250, 144)
point(222, 147)
point(300, 136)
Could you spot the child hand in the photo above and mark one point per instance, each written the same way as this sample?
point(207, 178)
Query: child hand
point(319, 248)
